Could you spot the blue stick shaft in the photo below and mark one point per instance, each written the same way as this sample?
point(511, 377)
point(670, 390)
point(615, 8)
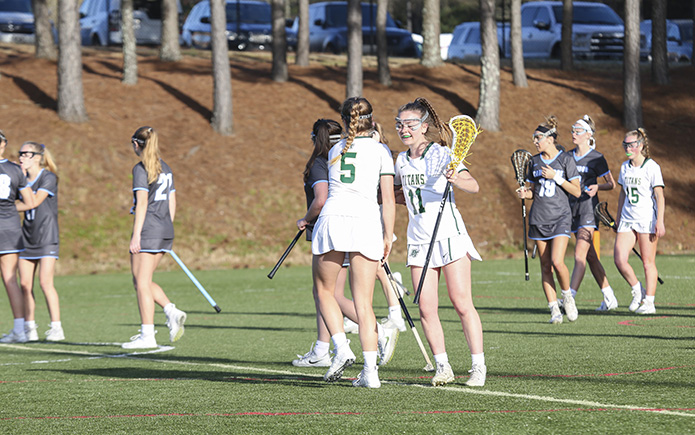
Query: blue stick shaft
point(195, 281)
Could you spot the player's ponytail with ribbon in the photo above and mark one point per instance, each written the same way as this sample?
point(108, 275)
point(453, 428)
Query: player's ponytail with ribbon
point(150, 152)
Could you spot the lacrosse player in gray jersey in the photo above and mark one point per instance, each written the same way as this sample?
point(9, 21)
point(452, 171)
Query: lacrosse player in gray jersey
point(553, 176)
point(41, 238)
point(591, 166)
point(13, 182)
point(153, 235)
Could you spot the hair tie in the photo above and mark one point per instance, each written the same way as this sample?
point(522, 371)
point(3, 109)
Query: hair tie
point(366, 116)
point(42, 146)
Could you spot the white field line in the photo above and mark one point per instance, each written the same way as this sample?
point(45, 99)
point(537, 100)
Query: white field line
point(586, 403)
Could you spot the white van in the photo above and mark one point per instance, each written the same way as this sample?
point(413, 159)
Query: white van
point(100, 22)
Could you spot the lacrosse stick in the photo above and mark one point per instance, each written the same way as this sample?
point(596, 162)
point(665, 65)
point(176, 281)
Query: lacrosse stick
point(394, 286)
point(195, 281)
point(601, 212)
point(520, 161)
point(285, 254)
point(464, 133)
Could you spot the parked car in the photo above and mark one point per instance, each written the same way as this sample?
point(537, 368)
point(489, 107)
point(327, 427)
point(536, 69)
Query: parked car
point(465, 44)
point(249, 25)
point(679, 39)
point(444, 42)
point(597, 31)
point(328, 30)
point(16, 21)
point(100, 22)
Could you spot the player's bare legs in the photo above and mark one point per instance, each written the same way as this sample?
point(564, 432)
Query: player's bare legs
point(458, 282)
point(143, 266)
point(46, 273)
point(647, 247)
point(27, 268)
point(624, 242)
point(326, 268)
point(8, 268)
point(362, 277)
point(429, 308)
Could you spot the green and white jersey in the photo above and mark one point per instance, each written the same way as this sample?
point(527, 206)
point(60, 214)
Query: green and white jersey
point(423, 183)
point(158, 223)
point(40, 226)
point(354, 179)
point(638, 185)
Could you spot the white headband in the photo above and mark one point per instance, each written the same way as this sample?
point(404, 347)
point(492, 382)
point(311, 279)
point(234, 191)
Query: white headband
point(585, 125)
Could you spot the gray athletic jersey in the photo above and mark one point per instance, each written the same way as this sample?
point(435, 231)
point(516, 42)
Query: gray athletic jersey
point(590, 166)
point(41, 223)
point(158, 223)
point(12, 180)
point(550, 201)
point(317, 174)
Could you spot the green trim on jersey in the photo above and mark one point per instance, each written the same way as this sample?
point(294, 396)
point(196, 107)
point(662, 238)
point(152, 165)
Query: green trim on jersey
point(422, 156)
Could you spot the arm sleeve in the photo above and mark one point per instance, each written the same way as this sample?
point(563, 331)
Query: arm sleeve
point(571, 171)
point(48, 183)
point(140, 178)
point(387, 167)
point(602, 167)
point(657, 179)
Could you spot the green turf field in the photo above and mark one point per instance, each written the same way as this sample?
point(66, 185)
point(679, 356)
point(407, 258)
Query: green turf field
point(614, 372)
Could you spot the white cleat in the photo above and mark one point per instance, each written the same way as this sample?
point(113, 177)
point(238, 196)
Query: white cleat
point(398, 323)
point(55, 334)
point(646, 308)
point(570, 308)
point(175, 323)
point(555, 315)
point(637, 297)
point(608, 305)
point(140, 342)
point(344, 358)
point(310, 359)
point(368, 379)
point(13, 337)
point(478, 375)
point(31, 332)
point(444, 375)
point(350, 327)
point(387, 345)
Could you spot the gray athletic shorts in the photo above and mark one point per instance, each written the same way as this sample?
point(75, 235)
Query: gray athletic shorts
point(50, 251)
point(156, 245)
point(583, 215)
point(11, 242)
point(547, 232)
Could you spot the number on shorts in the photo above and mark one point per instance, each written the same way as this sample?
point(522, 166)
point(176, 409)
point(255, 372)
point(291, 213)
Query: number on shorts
point(347, 179)
point(419, 208)
point(5, 182)
point(164, 181)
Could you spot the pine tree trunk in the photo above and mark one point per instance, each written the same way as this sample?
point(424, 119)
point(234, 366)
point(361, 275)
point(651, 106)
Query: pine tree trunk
point(518, 70)
point(222, 77)
point(170, 49)
point(70, 93)
point(431, 51)
point(354, 49)
point(44, 44)
point(279, 71)
point(488, 115)
point(632, 94)
point(302, 58)
point(659, 51)
point(566, 61)
point(381, 43)
point(130, 59)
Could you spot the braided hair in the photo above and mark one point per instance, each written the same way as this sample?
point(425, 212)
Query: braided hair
point(641, 135)
point(356, 113)
point(325, 134)
point(440, 133)
point(148, 141)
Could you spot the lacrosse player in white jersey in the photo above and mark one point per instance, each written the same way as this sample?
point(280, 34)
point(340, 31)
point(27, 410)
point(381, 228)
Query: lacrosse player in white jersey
point(13, 186)
point(421, 171)
point(41, 238)
point(153, 235)
point(350, 222)
point(591, 166)
point(553, 176)
point(640, 218)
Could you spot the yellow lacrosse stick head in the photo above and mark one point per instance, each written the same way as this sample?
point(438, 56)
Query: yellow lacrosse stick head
point(464, 131)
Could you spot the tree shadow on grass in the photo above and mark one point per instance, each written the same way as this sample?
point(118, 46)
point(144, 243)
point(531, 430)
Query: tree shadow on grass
point(34, 93)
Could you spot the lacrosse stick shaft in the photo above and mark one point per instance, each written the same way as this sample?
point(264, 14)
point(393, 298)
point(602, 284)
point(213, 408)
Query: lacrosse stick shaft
point(392, 281)
point(195, 281)
point(416, 299)
point(523, 218)
point(285, 254)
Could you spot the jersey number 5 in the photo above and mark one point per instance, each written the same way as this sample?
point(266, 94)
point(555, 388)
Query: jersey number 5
point(633, 194)
point(344, 166)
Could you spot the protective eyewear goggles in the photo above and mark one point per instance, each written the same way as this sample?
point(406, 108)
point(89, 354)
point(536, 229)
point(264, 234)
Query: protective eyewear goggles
point(634, 144)
point(29, 154)
point(137, 141)
point(412, 123)
point(578, 130)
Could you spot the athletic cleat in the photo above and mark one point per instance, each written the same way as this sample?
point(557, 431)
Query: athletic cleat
point(478, 374)
point(140, 342)
point(608, 305)
point(637, 297)
point(368, 379)
point(31, 332)
point(444, 375)
point(399, 284)
point(55, 334)
point(397, 323)
point(310, 359)
point(570, 308)
point(350, 327)
point(646, 308)
point(387, 345)
point(342, 359)
point(555, 315)
point(175, 323)
point(13, 337)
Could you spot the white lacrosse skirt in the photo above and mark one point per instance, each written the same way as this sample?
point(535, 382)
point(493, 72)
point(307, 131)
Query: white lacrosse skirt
point(348, 234)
